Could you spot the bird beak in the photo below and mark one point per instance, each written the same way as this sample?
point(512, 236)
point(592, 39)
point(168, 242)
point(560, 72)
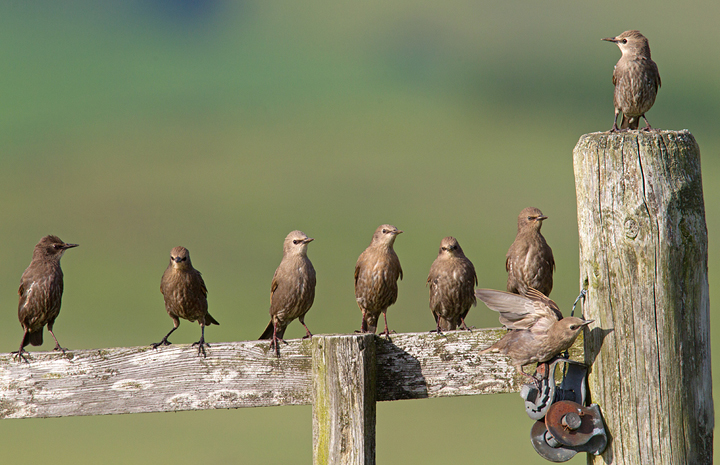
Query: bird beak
point(587, 322)
point(397, 232)
point(307, 240)
point(70, 246)
point(177, 259)
point(610, 39)
point(541, 218)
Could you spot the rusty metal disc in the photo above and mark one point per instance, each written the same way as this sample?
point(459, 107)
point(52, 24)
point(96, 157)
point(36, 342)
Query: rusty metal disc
point(538, 435)
point(563, 434)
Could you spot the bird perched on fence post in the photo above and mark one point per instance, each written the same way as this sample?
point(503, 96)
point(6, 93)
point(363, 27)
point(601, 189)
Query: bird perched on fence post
point(292, 291)
point(538, 331)
point(376, 273)
point(185, 296)
point(529, 260)
point(41, 289)
point(452, 281)
point(636, 80)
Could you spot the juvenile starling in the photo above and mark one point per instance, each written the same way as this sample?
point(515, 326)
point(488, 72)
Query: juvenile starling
point(538, 332)
point(529, 261)
point(292, 291)
point(636, 80)
point(376, 274)
point(41, 289)
point(185, 296)
point(452, 281)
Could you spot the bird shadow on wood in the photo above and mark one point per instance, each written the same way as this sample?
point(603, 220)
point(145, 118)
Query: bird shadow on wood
point(593, 344)
point(399, 374)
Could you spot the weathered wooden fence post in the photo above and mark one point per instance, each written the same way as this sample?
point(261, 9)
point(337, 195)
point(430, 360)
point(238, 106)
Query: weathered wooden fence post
point(643, 259)
point(344, 373)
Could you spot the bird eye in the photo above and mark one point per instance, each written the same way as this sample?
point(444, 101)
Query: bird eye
point(295, 241)
point(56, 246)
point(624, 41)
point(384, 231)
point(530, 218)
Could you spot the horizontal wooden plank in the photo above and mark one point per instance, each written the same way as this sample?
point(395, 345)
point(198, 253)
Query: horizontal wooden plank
point(141, 379)
point(241, 374)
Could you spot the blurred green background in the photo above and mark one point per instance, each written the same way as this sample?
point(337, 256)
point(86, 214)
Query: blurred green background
point(132, 127)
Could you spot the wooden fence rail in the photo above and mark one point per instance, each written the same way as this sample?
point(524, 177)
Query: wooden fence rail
point(342, 376)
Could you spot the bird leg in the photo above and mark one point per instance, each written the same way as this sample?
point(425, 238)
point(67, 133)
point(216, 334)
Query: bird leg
point(615, 126)
point(647, 124)
point(164, 341)
point(57, 344)
point(201, 343)
point(464, 326)
point(309, 334)
point(275, 340)
point(21, 350)
point(387, 331)
point(534, 380)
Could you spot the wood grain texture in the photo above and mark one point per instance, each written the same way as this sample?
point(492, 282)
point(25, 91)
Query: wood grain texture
point(141, 379)
point(242, 374)
point(643, 259)
point(344, 379)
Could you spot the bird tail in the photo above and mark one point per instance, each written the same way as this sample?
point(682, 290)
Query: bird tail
point(268, 333)
point(629, 123)
point(445, 324)
point(209, 320)
point(369, 322)
point(35, 338)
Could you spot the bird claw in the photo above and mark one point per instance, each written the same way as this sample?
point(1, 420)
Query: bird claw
point(275, 346)
point(164, 342)
point(201, 347)
point(19, 354)
point(61, 349)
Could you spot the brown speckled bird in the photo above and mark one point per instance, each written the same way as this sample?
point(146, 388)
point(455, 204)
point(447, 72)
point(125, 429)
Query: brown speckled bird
point(636, 80)
point(538, 332)
point(452, 281)
point(376, 274)
point(41, 289)
point(529, 260)
point(292, 291)
point(185, 296)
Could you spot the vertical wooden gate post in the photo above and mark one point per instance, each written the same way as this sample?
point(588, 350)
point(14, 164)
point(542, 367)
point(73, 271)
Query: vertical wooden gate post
point(344, 395)
point(643, 260)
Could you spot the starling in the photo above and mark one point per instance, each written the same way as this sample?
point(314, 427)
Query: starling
point(376, 274)
point(185, 296)
point(292, 290)
point(452, 281)
point(41, 289)
point(538, 332)
point(636, 80)
point(529, 261)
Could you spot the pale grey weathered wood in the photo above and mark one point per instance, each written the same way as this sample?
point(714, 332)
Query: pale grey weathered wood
point(141, 379)
point(344, 379)
point(643, 259)
point(241, 374)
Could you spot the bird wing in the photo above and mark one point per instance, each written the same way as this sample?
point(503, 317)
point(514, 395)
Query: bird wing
point(357, 270)
point(273, 286)
point(203, 287)
point(519, 312)
point(615, 75)
point(655, 74)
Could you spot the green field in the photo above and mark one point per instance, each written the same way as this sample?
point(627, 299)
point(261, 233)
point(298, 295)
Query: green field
point(133, 127)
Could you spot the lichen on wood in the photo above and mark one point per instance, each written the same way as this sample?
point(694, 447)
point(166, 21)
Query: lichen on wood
point(643, 260)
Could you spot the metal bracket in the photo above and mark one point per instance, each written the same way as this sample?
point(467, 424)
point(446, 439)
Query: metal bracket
point(563, 427)
point(568, 429)
point(572, 387)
